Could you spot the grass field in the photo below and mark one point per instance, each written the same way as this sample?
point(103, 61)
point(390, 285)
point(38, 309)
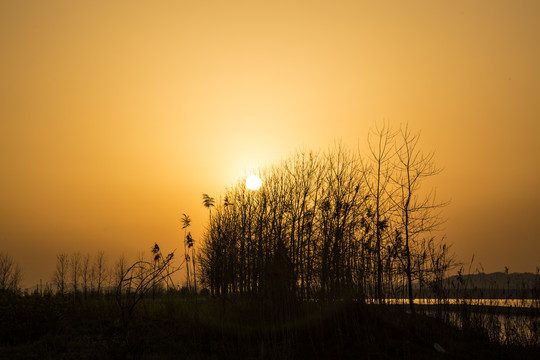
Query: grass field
point(171, 326)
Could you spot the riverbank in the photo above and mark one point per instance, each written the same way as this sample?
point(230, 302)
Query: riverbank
point(173, 327)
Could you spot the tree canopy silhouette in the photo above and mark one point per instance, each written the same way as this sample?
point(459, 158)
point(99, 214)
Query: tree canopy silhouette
point(328, 225)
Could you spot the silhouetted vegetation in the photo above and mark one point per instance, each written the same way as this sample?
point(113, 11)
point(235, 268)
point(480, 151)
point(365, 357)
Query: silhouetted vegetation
point(325, 226)
point(10, 273)
point(164, 326)
point(335, 256)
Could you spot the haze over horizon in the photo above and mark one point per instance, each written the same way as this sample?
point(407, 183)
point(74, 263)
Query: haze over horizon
point(115, 117)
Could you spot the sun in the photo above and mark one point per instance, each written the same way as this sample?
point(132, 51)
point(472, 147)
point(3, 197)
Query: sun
point(253, 182)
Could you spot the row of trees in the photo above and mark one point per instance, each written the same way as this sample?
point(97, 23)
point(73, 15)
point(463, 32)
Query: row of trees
point(77, 273)
point(83, 274)
point(327, 225)
point(323, 225)
point(10, 273)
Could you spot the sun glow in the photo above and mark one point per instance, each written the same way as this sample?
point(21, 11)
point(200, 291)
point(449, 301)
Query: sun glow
point(253, 182)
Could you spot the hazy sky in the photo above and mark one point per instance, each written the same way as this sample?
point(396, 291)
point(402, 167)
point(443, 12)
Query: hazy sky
point(115, 116)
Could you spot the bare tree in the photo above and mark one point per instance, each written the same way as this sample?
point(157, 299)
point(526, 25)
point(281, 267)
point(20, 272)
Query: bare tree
point(85, 273)
point(10, 273)
point(75, 271)
point(117, 276)
point(417, 212)
point(100, 271)
point(61, 272)
point(377, 172)
point(341, 206)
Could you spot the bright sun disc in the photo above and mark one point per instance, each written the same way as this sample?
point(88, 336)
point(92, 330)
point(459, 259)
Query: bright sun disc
point(253, 182)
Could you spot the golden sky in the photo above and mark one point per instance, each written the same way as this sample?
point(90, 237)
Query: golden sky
point(115, 116)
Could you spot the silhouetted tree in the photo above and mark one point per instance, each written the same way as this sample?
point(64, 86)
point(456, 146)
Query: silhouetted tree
point(417, 211)
point(377, 171)
point(342, 207)
point(117, 275)
point(100, 271)
point(85, 273)
point(75, 271)
point(61, 272)
point(10, 273)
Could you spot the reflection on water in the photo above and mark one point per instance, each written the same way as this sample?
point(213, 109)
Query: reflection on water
point(522, 303)
point(505, 328)
point(495, 318)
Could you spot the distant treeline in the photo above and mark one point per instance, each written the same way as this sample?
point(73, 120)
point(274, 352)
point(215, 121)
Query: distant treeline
point(92, 274)
point(497, 285)
point(329, 225)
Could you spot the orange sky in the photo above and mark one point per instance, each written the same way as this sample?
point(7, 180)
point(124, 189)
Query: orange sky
point(115, 116)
